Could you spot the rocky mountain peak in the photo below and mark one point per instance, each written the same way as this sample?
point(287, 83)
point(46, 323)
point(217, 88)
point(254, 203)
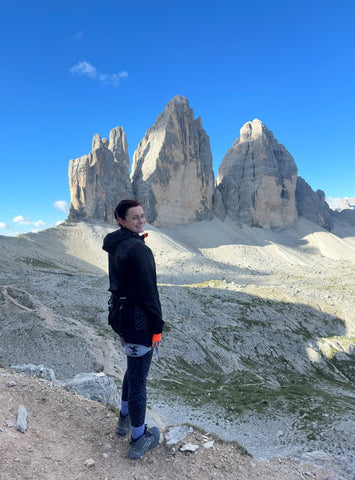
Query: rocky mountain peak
point(118, 146)
point(97, 142)
point(172, 176)
point(254, 130)
point(257, 179)
point(172, 168)
point(312, 205)
point(177, 106)
point(98, 181)
point(178, 101)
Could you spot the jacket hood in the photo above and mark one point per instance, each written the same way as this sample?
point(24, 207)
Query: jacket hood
point(113, 239)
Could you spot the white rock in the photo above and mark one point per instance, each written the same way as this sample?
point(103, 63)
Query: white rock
point(21, 424)
point(90, 463)
point(176, 434)
point(209, 444)
point(189, 447)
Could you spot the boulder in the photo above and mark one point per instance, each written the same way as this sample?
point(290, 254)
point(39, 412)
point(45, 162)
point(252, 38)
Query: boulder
point(21, 422)
point(39, 371)
point(95, 386)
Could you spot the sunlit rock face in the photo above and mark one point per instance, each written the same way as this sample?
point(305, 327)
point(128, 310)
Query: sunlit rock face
point(172, 176)
point(172, 168)
point(99, 180)
point(257, 179)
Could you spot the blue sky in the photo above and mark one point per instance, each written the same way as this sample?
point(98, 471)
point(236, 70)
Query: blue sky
point(72, 69)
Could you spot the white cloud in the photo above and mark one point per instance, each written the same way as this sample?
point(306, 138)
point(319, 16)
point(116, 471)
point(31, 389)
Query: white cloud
point(333, 202)
point(21, 220)
point(85, 69)
point(3, 225)
point(39, 223)
point(337, 203)
point(61, 205)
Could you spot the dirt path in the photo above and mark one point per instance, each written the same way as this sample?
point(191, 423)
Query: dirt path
point(67, 433)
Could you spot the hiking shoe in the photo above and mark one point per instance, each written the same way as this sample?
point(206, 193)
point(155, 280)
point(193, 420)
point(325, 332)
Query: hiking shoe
point(123, 425)
point(148, 440)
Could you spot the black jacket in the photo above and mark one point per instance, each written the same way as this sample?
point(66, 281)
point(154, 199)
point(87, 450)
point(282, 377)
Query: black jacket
point(132, 274)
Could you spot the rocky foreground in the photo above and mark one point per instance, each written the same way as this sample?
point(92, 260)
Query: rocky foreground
point(258, 348)
point(69, 436)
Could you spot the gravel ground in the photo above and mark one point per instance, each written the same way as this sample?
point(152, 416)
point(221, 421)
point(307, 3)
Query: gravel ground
point(71, 437)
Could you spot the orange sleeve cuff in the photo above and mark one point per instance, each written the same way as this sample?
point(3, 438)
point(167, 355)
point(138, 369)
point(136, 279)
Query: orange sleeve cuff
point(156, 337)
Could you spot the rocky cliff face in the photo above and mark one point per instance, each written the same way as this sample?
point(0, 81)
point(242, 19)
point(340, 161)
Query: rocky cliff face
point(172, 168)
point(172, 176)
point(99, 180)
point(312, 205)
point(257, 179)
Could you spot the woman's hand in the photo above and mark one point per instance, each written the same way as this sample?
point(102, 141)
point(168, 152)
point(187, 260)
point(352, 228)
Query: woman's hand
point(156, 340)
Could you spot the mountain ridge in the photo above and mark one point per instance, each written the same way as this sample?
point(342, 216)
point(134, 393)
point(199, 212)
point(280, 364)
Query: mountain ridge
point(172, 175)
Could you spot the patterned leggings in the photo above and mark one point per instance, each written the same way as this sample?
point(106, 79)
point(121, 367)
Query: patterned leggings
point(134, 387)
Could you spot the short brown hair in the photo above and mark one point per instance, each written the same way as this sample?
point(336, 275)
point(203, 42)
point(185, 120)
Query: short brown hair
point(123, 206)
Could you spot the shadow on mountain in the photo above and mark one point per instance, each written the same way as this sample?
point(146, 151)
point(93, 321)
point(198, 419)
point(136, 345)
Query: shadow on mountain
point(241, 328)
point(247, 360)
point(230, 361)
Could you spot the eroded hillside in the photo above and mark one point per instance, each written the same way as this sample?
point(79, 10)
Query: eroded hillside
point(259, 339)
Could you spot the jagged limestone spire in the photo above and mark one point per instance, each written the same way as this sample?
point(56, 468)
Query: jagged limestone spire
point(172, 168)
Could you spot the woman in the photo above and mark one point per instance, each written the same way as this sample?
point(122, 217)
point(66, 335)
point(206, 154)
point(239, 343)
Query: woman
point(135, 314)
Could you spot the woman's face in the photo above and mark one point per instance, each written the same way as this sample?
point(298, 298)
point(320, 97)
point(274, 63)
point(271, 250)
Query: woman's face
point(134, 221)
